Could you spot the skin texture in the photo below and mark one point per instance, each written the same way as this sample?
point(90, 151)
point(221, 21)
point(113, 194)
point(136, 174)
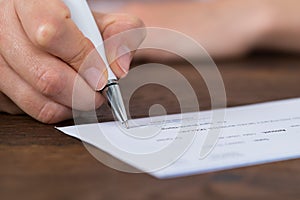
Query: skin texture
point(227, 28)
point(42, 52)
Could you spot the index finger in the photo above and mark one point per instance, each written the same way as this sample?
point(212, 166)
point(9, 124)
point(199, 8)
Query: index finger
point(50, 27)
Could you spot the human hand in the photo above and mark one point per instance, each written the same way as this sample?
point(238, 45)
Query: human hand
point(227, 28)
point(41, 52)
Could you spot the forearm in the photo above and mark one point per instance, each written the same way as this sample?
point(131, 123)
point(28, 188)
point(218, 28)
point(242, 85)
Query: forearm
point(284, 30)
point(228, 28)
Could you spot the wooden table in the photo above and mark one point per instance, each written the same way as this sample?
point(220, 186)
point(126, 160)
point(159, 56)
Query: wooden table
point(39, 162)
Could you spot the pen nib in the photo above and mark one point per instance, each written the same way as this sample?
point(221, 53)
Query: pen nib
point(126, 124)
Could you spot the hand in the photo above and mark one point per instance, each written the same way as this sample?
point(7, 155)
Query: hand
point(227, 28)
point(41, 52)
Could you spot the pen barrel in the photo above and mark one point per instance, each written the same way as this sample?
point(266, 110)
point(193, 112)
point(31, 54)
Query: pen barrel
point(82, 16)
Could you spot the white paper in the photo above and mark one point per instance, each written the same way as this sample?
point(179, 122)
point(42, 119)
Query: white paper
point(249, 135)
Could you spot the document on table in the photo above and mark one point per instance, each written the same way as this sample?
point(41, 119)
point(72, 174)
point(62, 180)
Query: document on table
point(248, 135)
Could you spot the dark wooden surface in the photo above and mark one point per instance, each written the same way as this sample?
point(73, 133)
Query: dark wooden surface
point(39, 162)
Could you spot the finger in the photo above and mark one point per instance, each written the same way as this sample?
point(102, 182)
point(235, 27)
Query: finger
point(54, 79)
point(31, 101)
point(50, 27)
point(120, 42)
point(8, 106)
point(47, 74)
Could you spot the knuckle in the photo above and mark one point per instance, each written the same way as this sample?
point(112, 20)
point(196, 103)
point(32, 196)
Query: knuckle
point(46, 33)
point(131, 20)
point(135, 21)
point(50, 83)
point(63, 11)
point(86, 46)
point(118, 23)
point(47, 113)
point(50, 30)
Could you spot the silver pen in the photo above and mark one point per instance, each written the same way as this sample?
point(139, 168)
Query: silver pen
point(84, 20)
point(114, 97)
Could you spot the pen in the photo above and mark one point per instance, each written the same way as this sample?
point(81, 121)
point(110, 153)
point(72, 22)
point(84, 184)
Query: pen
point(84, 20)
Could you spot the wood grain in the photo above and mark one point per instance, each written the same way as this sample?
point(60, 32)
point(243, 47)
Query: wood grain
point(39, 162)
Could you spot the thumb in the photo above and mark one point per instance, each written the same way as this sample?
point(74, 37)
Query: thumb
point(122, 34)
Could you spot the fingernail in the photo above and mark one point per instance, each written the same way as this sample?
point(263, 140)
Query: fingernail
point(125, 58)
point(95, 78)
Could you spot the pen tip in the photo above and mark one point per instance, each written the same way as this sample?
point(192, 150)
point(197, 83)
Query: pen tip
point(126, 124)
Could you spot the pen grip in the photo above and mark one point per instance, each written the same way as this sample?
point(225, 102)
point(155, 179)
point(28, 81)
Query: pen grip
point(84, 20)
